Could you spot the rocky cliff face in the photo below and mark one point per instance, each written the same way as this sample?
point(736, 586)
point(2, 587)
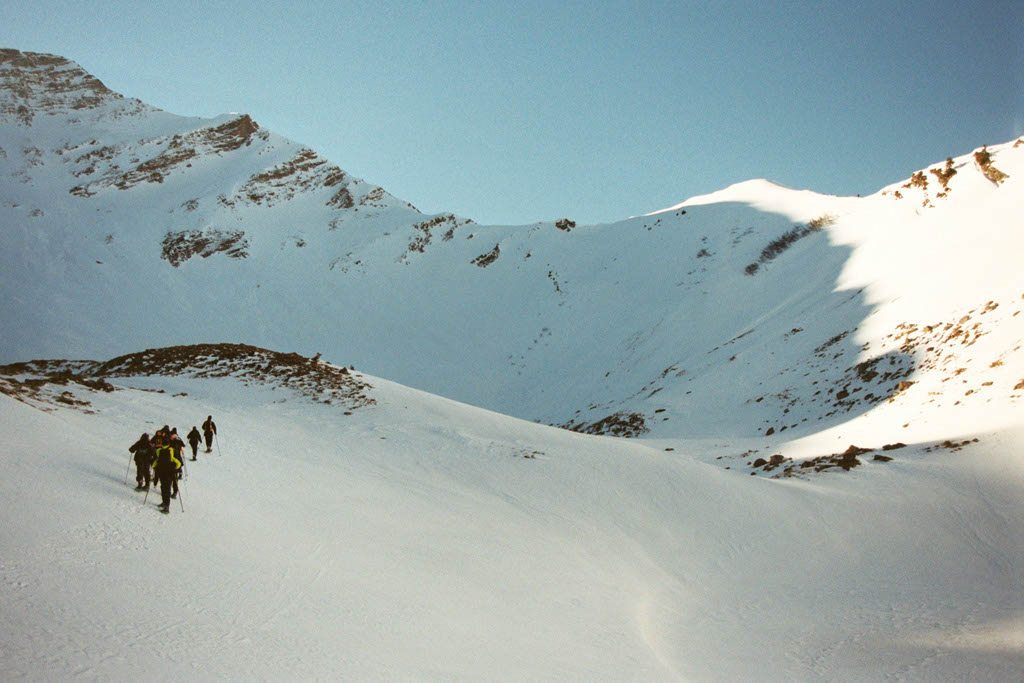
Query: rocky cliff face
point(34, 84)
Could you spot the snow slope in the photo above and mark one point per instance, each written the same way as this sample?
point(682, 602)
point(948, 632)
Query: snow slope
point(421, 538)
point(860, 357)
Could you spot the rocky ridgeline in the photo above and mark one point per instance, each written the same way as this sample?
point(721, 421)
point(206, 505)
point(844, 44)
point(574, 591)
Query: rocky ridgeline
point(33, 84)
point(938, 188)
point(50, 381)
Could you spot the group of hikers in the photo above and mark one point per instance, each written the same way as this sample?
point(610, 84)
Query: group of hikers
point(159, 459)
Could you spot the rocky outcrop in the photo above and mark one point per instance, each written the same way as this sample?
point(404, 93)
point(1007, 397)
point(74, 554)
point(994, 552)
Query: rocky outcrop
point(305, 172)
point(484, 260)
point(33, 83)
point(619, 424)
point(67, 383)
point(166, 155)
point(178, 247)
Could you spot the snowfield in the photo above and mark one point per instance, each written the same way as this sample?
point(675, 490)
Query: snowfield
point(823, 397)
point(422, 538)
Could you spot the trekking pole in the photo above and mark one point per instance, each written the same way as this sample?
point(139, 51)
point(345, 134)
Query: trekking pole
point(216, 440)
point(181, 490)
point(146, 497)
point(127, 469)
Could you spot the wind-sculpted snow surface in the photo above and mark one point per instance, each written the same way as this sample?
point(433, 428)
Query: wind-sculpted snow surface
point(418, 538)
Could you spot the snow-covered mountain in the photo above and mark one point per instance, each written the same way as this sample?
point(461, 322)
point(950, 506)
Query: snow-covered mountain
point(357, 528)
point(711, 317)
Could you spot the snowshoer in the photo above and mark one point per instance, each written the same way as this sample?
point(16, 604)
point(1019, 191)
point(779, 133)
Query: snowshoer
point(193, 440)
point(209, 429)
point(178, 446)
point(166, 466)
point(143, 451)
point(161, 433)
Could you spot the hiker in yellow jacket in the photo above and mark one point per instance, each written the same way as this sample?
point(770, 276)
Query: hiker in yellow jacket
point(166, 467)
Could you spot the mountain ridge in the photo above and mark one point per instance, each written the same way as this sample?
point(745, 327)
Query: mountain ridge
point(223, 230)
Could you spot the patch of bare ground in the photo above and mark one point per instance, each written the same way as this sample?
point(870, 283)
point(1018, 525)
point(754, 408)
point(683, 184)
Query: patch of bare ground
point(846, 461)
point(171, 152)
point(47, 384)
point(318, 381)
point(944, 348)
point(984, 161)
point(484, 260)
point(618, 424)
point(553, 277)
point(911, 353)
point(229, 136)
point(374, 198)
point(787, 239)
point(943, 175)
point(919, 181)
point(342, 199)
point(156, 169)
point(308, 377)
point(178, 247)
point(44, 83)
point(953, 446)
point(305, 172)
point(424, 232)
point(92, 158)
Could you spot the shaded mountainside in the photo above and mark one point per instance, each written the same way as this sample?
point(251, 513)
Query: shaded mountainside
point(719, 316)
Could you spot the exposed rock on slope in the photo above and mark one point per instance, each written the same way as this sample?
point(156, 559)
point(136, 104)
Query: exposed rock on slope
point(179, 247)
point(47, 382)
point(32, 83)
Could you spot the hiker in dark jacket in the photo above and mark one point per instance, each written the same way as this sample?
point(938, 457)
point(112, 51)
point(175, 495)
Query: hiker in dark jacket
point(166, 466)
point(143, 451)
point(209, 429)
point(178, 446)
point(161, 433)
point(193, 440)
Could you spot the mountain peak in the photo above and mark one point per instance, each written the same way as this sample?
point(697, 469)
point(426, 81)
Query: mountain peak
point(761, 194)
point(32, 83)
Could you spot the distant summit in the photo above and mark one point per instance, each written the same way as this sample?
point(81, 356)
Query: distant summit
point(33, 83)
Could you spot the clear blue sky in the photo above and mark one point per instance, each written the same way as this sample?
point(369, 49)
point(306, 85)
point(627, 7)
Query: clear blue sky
point(514, 112)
